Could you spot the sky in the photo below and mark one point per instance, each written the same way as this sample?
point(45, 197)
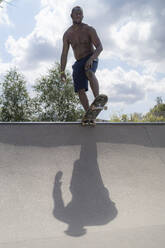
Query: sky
point(131, 67)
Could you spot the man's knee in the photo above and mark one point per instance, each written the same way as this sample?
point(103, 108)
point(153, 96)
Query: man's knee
point(89, 74)
point(81, 92)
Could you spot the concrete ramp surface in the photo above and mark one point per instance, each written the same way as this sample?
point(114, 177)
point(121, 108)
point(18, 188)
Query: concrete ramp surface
point(63, 185)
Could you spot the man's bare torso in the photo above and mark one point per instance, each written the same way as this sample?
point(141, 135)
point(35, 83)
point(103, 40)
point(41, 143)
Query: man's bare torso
point(80, 40)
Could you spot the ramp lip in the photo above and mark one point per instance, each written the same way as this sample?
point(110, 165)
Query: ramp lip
point(79, 123)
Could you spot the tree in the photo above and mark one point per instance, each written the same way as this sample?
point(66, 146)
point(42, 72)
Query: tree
point(56, 100)
point(135, 117)
point(115, 118)
point(15, 101)
point(157, 113)
point(124, 118)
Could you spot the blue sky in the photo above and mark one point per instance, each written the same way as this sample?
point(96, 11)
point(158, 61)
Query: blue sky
point(131, 67)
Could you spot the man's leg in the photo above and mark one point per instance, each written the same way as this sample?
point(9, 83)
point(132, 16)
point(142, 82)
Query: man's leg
point(94, 84)
point(83, 99)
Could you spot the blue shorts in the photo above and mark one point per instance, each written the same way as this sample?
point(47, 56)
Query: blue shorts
point(79, 77)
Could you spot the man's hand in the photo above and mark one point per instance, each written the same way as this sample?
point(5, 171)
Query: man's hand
point(63, 76)
point(89, 63)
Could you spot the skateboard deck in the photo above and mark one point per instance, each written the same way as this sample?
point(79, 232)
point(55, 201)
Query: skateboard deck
point(94, 110)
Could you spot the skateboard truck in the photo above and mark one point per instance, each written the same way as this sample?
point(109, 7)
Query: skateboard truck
point(99, 108)
point(91, 123)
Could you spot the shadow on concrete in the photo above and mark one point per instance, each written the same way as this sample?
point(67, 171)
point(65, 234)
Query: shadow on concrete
point(90, 204)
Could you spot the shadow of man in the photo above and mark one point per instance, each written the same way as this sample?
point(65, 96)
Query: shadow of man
point(90, 204)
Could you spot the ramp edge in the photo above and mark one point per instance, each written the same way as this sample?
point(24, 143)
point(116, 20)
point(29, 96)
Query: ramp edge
point(79, 123)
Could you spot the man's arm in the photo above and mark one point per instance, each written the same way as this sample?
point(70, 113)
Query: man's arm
point(97, 43)
point(99, 48)
point(64, 56)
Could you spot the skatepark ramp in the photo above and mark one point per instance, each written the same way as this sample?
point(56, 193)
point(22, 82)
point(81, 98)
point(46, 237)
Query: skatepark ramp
point(63, 185)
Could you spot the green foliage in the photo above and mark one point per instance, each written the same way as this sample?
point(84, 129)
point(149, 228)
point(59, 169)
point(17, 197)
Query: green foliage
point(135, 117)
point(15, 101)
point(150, 117)
point(124, 118)
point(56, 100)
point(115, 118)
point(156, 114)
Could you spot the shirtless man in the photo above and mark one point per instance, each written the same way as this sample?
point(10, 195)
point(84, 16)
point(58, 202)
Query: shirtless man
point(83, 39)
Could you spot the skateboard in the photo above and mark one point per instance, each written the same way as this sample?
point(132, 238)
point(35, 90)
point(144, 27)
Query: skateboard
point(94, 110)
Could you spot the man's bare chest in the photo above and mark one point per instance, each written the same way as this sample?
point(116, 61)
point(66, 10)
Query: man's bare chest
point(79, 38)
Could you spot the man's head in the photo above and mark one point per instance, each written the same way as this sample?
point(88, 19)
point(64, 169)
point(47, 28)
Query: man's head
point(77, 15)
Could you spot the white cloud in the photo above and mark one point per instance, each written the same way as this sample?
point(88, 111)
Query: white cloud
point(44, 43)
point(138, 37)
point(121, 86)
point(16, 48)
point(128, 87)
point(130, 34)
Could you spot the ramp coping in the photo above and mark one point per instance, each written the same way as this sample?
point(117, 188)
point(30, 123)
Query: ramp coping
point(79, 123)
